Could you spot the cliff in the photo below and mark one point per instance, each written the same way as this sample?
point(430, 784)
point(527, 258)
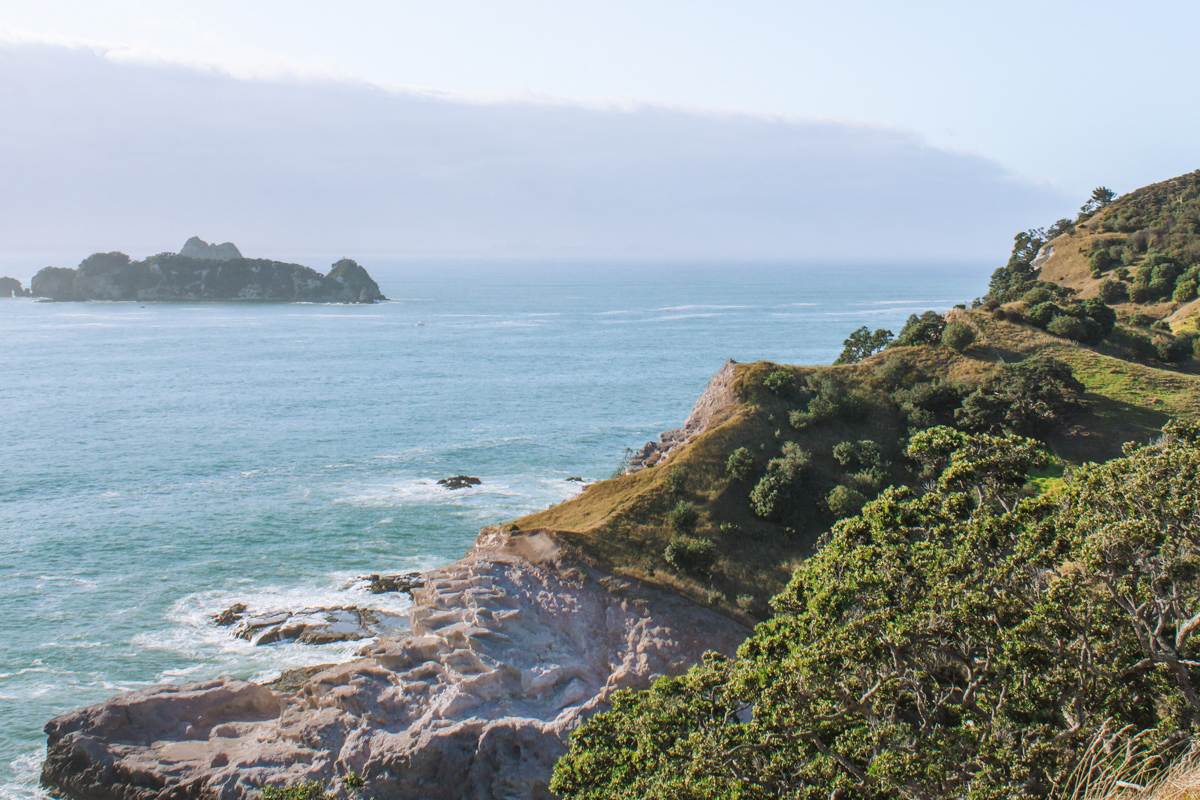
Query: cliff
point(204, 272)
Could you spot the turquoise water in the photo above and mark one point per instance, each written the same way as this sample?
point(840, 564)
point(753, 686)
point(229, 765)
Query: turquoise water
point(159, 462)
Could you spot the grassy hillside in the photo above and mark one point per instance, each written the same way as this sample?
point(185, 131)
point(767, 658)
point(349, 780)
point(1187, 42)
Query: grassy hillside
point(990, 593)
point(626, 523)
point(689, 523)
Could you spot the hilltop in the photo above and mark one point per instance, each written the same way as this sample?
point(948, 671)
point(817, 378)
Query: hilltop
point(203, 271)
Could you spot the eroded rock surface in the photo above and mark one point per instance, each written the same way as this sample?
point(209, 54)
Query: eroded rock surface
point(323, 625)
point(509, 649)
point(717, 397)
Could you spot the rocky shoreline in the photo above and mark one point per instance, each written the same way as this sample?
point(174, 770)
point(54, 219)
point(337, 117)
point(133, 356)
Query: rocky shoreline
point(507, 650)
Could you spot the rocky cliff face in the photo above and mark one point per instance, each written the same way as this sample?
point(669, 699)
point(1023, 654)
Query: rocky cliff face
point(211, 272)
point(196, 247)
point(509, 649)
point(717, 398)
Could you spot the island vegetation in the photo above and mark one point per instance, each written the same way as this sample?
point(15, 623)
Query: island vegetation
point(203, 271)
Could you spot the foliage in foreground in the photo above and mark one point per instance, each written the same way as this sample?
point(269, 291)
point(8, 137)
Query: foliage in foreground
point(957, 643)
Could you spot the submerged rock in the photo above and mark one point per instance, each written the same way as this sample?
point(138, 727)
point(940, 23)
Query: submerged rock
point(204, 272)
point(459, 482)
point(510, 648)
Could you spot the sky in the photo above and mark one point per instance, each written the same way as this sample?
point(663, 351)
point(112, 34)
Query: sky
point(1043, 99)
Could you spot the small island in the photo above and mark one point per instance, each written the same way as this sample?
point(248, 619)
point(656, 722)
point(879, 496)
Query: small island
point(203, 271)
point(11, 287)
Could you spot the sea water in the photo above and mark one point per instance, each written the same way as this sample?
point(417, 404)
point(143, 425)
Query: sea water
point(159, 462)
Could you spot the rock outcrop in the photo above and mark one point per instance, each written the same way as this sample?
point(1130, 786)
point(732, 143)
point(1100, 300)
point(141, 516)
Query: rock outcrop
point(459, 482)
point(509, 649)
point(197, 248)
point(204, 272)
point(718, 397)
point(323, 625)
point(11, 287)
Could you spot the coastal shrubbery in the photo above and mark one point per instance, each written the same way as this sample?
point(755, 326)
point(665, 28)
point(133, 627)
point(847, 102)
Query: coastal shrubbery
point(956, 642)
point(1030, 398)
point(1088, 321)
point(773, 495)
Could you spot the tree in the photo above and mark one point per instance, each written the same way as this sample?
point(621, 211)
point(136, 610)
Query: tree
point(1101, 196)
point(923, 329)
point(862, 343)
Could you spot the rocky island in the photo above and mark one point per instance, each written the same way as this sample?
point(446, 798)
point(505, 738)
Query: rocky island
point(11, 287)
point(203, 271)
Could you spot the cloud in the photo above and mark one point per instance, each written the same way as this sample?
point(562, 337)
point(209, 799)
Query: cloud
point(111, 153)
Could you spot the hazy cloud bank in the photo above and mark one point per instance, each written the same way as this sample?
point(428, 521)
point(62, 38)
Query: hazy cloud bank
point(98, 154)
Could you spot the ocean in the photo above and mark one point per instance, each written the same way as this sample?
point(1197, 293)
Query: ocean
point(159, 462)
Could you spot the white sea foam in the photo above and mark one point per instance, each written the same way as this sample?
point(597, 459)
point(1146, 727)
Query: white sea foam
point(703, 307)
point(206, 649)
point(25, 769)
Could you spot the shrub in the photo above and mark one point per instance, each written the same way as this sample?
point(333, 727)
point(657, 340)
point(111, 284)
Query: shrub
point(924, 329)
point(1173, 349)
point(1030, 397)
point(1185, 290)
point(780, 381)
point(675, 480)
point(308, 790)
point(1038, 294)
point(958, 336)
point(1068, 328)
point(1041, 314)
point(863, 453)
point(739, 464)
point(690, 553)
point(746, 603)
point(683, 517)
point(844, 501)
point(1112, 291)
point(772, 496)
point(868, 481)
